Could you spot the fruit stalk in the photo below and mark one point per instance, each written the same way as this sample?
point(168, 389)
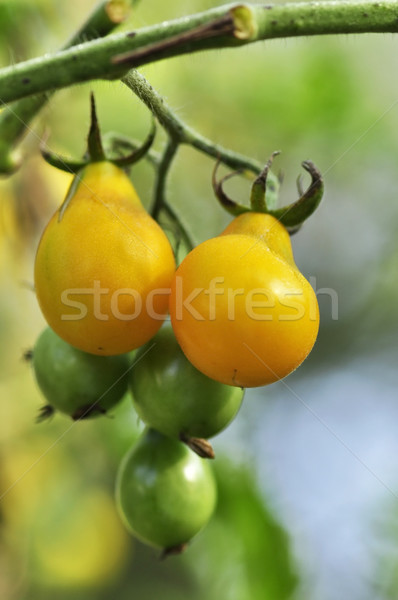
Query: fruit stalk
point(14, 120)
point(93, 60)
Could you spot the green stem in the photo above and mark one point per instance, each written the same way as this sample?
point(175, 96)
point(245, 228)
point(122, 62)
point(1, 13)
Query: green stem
point(14, 120)
point(183, 134)
point(154, 158)
point(161, 175)
point(107, 15)
point(163, 165)
point(224, 26)
point(179, 131)
point(169, 210)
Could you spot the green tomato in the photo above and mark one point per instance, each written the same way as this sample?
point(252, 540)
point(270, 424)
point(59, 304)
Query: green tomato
point(74, 382)
point(165, 493)
point(172, 396)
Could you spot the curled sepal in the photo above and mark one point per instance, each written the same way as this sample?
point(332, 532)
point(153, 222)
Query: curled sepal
point(294, 215)
point(45, 412)
point(137, 153)
point(61, 162)
point(116, 145)
point(95, 150)
point(258, 200)
point(230, 205)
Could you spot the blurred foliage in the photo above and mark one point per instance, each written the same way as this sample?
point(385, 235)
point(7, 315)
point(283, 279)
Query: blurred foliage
point(385, 586)
point(329, 99)
point(249, 547)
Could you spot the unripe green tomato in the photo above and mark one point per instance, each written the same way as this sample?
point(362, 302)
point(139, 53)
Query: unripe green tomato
point(74, 382)
point(172, 396)
point(165, 493)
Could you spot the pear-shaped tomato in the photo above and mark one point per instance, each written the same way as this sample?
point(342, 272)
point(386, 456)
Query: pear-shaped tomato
point(164, 491)
point(103, 266)
point(240, 308)
point(75, 382)
point(172, 396)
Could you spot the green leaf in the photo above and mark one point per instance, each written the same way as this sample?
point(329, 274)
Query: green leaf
point(244, 552)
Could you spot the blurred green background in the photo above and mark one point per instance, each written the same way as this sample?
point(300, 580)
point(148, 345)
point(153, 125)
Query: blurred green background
point(308, 472)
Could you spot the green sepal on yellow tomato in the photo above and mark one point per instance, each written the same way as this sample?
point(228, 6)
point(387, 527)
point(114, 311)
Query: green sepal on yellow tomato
point(165, 492)
point(77, 383)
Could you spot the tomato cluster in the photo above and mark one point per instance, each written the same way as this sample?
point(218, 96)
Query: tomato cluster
point(242, 315)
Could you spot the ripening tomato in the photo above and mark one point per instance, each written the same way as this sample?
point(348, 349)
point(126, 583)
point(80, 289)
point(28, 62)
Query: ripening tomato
point(241, 310)
point(103, 266)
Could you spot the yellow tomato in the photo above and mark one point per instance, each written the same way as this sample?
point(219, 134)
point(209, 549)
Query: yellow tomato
point(103, 266)
point(241, 310)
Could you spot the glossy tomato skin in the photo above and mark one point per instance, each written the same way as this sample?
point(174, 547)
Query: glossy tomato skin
point(103, 266)
point(172, 396)
point(241, 310)
point(72, 381)
point(165, 493)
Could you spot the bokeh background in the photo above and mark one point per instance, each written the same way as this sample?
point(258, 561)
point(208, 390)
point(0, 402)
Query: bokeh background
point(308, 472)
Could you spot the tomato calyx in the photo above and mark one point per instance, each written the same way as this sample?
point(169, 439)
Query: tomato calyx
point(173, 550)
point(45, 412)
point(27, 355)
point(293, 215)
point(95, 151)
point(88, 411)
point(202, 447)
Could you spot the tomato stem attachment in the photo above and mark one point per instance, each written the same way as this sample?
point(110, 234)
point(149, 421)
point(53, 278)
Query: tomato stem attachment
point(291, 216)
point(85, 412)
point(258, 201)
point(95, 150)
point(200, 446)
point(173, 550)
